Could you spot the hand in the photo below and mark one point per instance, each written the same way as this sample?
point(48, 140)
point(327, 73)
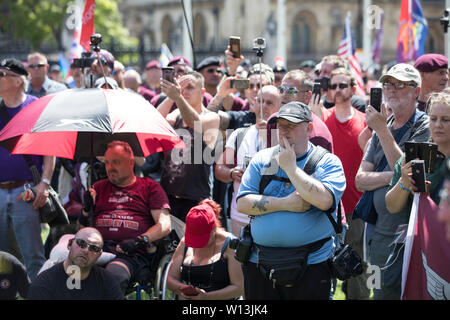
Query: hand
point(295, 203)
point(41, 195)
point(224, 87)
point(236, 174)
point(376, 120)
point(232, 63)
point(316, 106)
point(131, 246)
point(202, 295)
point(286, 157)
point(405, 179)
point(171, 90)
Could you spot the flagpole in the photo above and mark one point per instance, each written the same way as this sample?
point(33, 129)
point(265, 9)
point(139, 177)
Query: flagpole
point(366, 34)
point(187, 46)
point(281, 29)
point(447, 34)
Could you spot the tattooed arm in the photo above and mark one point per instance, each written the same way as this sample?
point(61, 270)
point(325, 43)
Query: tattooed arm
point(256, 204)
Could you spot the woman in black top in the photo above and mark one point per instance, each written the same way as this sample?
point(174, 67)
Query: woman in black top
point(203, 262)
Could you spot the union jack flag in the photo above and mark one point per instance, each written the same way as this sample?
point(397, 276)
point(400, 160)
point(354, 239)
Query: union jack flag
point(347, 50)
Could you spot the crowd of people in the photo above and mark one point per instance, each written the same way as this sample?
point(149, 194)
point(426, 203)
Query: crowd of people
point(274, 161)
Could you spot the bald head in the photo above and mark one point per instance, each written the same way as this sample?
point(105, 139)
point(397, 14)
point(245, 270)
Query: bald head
point(92, 234)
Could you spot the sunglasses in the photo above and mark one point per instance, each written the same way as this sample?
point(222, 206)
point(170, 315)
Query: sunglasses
point(397, 85)
point(38, 65)
point(289, 90)
point(6, 74)
point(253, 86)
point(340, 85)
point(212, 70)
point(91, 247)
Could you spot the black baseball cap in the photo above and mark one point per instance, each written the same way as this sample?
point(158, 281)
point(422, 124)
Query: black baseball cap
point(295, 112)
point(14, 65)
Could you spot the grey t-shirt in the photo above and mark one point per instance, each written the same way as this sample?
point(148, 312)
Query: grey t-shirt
point(387, 222)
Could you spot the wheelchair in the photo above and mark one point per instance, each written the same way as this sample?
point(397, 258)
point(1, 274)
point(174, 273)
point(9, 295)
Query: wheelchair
point(154, 280)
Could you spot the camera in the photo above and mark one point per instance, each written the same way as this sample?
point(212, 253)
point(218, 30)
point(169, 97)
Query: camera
point(96, 39)
point(242, 246)
point(346, 263)
point(84, 62)
point(259, 44)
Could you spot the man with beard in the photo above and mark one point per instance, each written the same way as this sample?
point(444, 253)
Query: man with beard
point(77, 277)
point(345, 124)
point(401, 87)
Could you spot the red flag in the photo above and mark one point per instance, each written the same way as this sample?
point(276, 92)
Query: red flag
point(428, 276)
point(87, 28)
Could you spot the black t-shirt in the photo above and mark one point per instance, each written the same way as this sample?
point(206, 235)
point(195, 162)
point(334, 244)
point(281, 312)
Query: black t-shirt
point(13, 277)
point(52, 284)
point(239, 119)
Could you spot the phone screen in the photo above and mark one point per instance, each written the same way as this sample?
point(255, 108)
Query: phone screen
point(168, 74)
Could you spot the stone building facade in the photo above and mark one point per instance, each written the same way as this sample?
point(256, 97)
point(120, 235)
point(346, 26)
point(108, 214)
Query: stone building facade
point(313, 27)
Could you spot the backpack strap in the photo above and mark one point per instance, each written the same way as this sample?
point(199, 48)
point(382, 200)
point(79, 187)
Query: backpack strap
point(310, 166)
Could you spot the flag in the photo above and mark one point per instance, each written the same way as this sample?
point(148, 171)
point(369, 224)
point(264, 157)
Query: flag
point(347, 51)
point(429, 275)
point(64, 65)
point(378, 41)
point(165, 55)
point(76, 49)
point(412, 31)
point(87, 24)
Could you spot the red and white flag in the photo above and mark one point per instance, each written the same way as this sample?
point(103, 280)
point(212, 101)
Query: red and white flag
point(87, 24)
point(347, 50)
point(426, 266)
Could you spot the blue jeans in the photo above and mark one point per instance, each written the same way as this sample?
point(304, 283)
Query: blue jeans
point(26, 226)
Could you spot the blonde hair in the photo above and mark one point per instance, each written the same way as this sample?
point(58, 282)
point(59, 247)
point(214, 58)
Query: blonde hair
point(438, 97)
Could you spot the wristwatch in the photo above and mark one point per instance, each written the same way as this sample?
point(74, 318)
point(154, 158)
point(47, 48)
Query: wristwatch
point(44, 180)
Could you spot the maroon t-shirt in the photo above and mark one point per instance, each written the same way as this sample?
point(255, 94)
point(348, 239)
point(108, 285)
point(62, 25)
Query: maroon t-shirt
point(124, 213)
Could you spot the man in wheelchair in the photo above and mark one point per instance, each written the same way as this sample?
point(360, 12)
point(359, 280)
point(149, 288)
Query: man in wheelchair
point(130, 212)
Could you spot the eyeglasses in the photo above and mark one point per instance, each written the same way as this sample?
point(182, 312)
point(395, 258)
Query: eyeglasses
point(212, 70)
point(36, 65)
point(83, 244)
point(340, 85)
point(6, 74)
point(397, 85)
point(289, 90)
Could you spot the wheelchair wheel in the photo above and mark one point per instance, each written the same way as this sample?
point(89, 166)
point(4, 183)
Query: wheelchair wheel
point(161, 291)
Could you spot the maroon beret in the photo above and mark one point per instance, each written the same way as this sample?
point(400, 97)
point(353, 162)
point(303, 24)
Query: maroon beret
point(179, 60)
point(153, 64)
point(431, 62)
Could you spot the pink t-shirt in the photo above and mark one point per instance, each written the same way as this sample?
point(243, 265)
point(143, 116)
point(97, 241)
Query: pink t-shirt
point(124, 213)
point(346, 147)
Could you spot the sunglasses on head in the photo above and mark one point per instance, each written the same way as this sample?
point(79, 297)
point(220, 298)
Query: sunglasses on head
point(6, 74)
point(340, 85)
point(289, 90)
point(36, 65)
point(91, 247)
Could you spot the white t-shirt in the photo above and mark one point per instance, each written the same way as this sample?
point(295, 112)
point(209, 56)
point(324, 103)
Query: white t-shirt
point(250, 145)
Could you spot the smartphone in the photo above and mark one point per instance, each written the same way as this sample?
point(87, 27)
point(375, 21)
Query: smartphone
point(317, 86)
point(168, 73)
point(427, 153)
point(325, 83)
point(240, 83)
point(376, 98)
point(418, 174)
point(411, 151)
point(189, 290)
point(235, 46)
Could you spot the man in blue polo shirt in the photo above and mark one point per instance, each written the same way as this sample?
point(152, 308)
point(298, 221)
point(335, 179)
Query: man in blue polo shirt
point(14, 174)
point(291, 213)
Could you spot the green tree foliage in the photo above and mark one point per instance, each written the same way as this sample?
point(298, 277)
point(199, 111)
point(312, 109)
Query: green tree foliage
point(42, 21)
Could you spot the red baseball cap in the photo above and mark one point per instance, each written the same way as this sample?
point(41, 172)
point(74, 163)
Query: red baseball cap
point(200, 221)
